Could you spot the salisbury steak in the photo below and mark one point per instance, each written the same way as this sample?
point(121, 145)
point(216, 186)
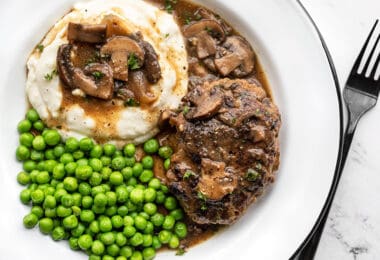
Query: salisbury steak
point(227, 152)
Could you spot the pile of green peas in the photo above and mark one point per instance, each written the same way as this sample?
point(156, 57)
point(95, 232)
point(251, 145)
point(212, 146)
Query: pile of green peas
point(100, 199)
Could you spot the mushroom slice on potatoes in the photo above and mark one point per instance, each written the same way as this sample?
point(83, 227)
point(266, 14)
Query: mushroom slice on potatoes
point(120, 49)
point(237, 57)
point(90, 33)
point(203, 35)
point(65, 66)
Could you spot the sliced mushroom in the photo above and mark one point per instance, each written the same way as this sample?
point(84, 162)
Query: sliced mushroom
point(239, 58)
point(89, 33)
point(115, 26)
point(152, 66)
point(208, 25)
point(138, 83)
point(120, 48)
point(208, 103)
point(64, 65)
point(95, 80)
point(202, 35)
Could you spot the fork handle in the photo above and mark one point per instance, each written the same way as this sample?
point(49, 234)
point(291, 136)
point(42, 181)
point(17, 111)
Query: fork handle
point(309, 248)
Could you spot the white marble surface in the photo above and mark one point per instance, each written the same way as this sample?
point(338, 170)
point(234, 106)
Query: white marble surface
point(353, 227)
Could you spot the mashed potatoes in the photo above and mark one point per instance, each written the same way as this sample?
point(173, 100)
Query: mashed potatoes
point(114, 122)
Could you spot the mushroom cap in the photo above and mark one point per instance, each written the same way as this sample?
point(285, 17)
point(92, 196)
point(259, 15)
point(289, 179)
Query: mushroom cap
point(239, 59)
point(208, 25)
point(64, 65)
point(90, 33)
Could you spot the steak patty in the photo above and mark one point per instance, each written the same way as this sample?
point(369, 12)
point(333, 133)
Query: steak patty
point(227, 150)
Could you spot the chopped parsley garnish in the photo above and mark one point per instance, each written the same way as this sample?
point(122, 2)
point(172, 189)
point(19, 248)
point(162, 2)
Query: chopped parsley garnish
point(180, 252)
point(98, 75)
point(169, 5)
point(185, 110)
point(133, 62)
point(252, 175)
point(208, 29)
point(50, 76)
point(167, 35)
point(203, 199)
point(131, 102)
point(40, 47)
point(187, 20)
point(188, 174)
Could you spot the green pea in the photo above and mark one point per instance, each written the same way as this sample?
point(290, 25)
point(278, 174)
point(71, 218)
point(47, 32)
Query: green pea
point(77, 197)
point(106, 161)
point(94, 227)
point(72, 144)
point(100, 200)
point(58, 233)
point(32, 115)
point(143, 214)
point(39, 125)
point(146, 176)
point(126, 251)
point(122, 194)
point(105, 224)
point(39, 143)
point(37, 196)
point(96, 190)
point(170, 203)
point(24, 126)
point(22, 153)
point(107, 238)
point(70, 222)
point(147, 240)
point(97, 247)
point(164, 236)
point(132, 181)
point(50, 213)
point(82, 162)
point(26, 139)
point(85, 241)
point(129, 231)
point(137, 239)
point(151, 146)
point(63, 212)
point(122, 210)
point(154, 183)
point(118, 154)
point(95, 164)
point(42, 177)
point(87, 216)
point(96, 151)
point(111, 211)
point(83, 172)
point(29, 165)
point(70, 184)
point(30, 220)
point(59, 193)
point(140, 223)
point(160, 197)
point(52, 137)
point(70, 168)
point(78, 231)
point(50, 191)
point(167, 164)
point(180, 229)
point(84, 188)
point(49, 202)
point(177, 214)
point(128, 221)
point(87, 202)
point(118, 163)
point(59, 171)
point(169, 222)
point(130, 161)
point(73, 243)
point(165, 152)
point(137, 255)
point(86, 144)
point(149, 253)
point(117, 221)
point(156, 244)
point(95, 179)
point(129, 150)
point(150, 208)
point(23, 178)
point(58, 150)
point(157, 219)
point(46, 225)
point(120, 239)
point(137, 169)
point(38, 211)
point(50, 164)
point(109, 149)
point(137, 196)
point(66, 158)
point(49, 154)
point(94, 257)
point(78, 155)
point(113, 250)
point(116, 178)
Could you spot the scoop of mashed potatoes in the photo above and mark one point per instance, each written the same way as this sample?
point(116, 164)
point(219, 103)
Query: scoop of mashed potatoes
point(112, 122)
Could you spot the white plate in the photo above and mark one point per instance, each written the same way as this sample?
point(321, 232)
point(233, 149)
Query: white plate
point(304, 89)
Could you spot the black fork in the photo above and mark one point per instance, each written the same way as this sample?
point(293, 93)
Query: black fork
point(360, 95)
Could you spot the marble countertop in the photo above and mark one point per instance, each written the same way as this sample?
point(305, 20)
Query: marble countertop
point(353, 227)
